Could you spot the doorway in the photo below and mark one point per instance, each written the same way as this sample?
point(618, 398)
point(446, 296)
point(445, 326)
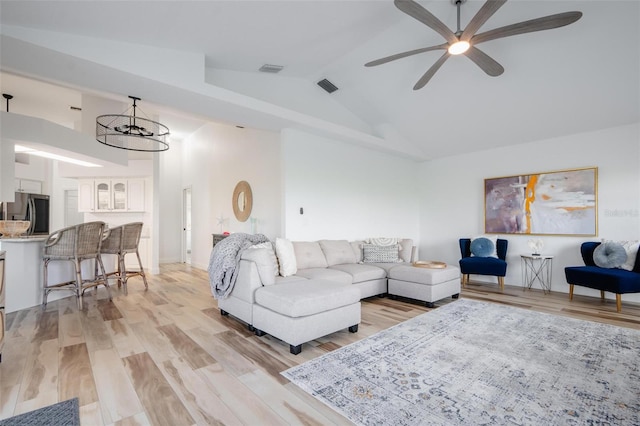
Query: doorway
point(71, 214)
point(186, 225)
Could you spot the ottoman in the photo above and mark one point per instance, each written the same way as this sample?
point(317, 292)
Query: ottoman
point(297, 312)
point(425, 284)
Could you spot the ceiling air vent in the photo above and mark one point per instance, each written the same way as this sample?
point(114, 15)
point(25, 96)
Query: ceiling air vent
point(327, 85)
point(271, 68)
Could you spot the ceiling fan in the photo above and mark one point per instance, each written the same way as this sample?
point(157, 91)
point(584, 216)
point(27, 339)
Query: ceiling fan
point(465, 41)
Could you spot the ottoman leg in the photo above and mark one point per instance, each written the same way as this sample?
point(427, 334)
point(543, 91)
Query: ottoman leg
point(430, 304)
point(223, 313)
point(295, 349)
point(353, 328)
point(259, 333)
point(455, 296)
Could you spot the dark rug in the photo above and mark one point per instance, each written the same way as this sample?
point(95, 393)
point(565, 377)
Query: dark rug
point(65, 413)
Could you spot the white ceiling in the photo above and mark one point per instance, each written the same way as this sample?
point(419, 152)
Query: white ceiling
point(578, 78)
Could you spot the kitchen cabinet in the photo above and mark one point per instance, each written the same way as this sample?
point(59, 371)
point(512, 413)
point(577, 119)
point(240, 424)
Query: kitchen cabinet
point(111, 195)
point(28, 185)
point(135, 195)
point(86, 202)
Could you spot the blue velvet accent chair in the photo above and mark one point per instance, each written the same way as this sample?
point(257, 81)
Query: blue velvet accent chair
point(495, 266)
point(614, 280)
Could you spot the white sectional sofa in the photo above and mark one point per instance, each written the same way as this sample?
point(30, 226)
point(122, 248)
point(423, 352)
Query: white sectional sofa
point(321, 297)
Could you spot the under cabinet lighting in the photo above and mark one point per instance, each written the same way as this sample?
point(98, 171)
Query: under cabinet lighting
point(52, 156)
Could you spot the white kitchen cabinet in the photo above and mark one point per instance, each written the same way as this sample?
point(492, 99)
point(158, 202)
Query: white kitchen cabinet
point(28, 185)
point(111, 195)
point(86, 202)
point(135, 195)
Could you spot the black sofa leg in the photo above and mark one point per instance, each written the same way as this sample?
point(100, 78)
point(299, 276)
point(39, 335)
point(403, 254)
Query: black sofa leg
point(430, 304)
point(455, 296)
point(223, 313)
point(258, 332)
point(353, 328)
point(295, 349)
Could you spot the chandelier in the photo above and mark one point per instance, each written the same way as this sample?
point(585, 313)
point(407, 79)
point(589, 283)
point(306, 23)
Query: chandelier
point(132, 132)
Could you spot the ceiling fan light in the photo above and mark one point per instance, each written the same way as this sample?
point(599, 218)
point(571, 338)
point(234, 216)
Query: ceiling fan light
point(459, 47)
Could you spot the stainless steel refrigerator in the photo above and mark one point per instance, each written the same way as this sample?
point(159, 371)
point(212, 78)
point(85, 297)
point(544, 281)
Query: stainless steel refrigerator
point(31, 207)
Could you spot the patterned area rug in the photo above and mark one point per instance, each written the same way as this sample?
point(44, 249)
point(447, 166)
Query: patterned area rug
point(65, 413)
point(476, 363)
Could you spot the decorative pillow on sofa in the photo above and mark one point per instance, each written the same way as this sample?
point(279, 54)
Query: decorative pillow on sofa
point(356, 246)
point(383, 241)
point(631, 247)
point(337, 252)
point(286, 257)
point(271, 253)
point(484, 246)
point(265, 261)
point(609, 255)
point(381, 254)
point(309, 255)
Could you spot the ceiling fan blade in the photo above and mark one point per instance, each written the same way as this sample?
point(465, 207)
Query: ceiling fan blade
point(404, 55)
point(538, 24)
point(431, 71)
point(486, 11)
point(484, 61)
point(418, 12)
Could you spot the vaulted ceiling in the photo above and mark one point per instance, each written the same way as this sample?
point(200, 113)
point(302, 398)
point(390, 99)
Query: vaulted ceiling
point(573, 79)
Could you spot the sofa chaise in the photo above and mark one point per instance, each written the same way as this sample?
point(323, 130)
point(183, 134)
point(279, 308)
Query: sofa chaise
point(323, 295)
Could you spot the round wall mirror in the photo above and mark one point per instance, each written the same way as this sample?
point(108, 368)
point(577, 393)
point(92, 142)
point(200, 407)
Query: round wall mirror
point(242, 201)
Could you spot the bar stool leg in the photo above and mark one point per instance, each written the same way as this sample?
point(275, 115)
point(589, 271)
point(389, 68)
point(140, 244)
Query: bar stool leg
point(144, 276)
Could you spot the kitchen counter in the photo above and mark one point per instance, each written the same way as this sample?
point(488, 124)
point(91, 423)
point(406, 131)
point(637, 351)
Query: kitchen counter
point(24, 273)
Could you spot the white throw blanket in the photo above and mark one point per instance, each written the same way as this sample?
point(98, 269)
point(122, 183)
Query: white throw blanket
point(224, 260)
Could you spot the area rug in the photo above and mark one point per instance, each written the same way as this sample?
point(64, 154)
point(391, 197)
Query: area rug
point(65, 413)
point(476, 363)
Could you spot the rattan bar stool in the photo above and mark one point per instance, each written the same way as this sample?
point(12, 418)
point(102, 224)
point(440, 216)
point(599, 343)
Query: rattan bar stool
point(122, 240)
point(75, 243)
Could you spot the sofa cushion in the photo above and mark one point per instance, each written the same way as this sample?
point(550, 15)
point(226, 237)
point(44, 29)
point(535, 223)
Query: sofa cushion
point(289, 279)
point(310, 297)
point(309, 255)
point(265, 260)
point(384, 254)
point(337, 252)
point(286, 257)
point(361, 273)
point(356, 246)
point(609, 255)
point(406, 250)
point(612, 280)
point(326, 274)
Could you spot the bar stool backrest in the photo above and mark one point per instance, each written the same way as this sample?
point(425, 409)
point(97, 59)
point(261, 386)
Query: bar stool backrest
point(131, 237)
point(80, 241)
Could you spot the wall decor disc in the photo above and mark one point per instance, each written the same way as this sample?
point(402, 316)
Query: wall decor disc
point(242, 201)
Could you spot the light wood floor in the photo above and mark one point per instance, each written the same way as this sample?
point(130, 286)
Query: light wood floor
point(167, 356)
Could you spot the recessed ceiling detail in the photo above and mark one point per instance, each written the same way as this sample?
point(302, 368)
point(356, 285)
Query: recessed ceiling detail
point(273, 69)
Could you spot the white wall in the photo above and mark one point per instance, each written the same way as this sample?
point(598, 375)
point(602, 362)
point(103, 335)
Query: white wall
point(170, 192)
point(346, 191)
point(214, 160)
point(452, 197)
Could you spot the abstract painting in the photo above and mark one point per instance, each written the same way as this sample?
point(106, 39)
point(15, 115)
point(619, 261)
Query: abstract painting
point(558, 203)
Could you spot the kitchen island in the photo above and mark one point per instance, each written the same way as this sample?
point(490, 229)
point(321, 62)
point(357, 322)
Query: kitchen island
point(24, 273)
